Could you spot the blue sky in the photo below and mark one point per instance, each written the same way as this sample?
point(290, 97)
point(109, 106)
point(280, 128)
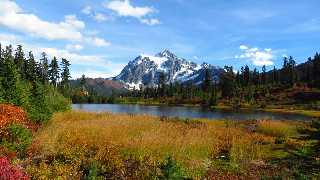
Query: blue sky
point(99, 37)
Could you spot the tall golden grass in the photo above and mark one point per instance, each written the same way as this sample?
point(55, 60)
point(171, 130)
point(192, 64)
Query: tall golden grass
point(73, 139)
point(278, 128)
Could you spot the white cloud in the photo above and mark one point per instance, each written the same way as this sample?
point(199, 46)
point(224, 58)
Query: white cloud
point(256, 56)
point(13, 17)
point(98, 42)
point(150, 22)
point(90, 62)
point(74, 47)
point(243, 47)
point(8, 38)
point(87, 10)
point(100, 17)
point(125, 9)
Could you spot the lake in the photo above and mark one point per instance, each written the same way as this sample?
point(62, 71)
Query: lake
point(187, 112)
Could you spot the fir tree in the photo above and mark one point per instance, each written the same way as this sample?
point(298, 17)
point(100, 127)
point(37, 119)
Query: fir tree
point(44, 70)
point(19, 60)
point(14, 92)
point(207, 81)
point(65, 74)
point(31, 68)
point(54, 72)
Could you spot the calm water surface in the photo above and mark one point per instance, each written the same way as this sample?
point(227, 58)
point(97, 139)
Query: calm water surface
point(187, 112)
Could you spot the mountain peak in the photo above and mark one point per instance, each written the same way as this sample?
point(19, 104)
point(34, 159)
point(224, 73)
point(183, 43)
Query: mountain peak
point(166, 53)
point(146, 69)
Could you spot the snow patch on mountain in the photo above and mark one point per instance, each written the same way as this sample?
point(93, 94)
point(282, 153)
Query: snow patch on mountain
point(145, 70)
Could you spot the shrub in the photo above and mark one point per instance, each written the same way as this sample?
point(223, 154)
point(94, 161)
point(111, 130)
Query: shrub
point(18, 139)
point(11, 114)
point(171, 170)
point(9, 172)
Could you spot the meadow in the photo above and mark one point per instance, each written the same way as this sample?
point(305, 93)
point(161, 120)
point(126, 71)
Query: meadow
point(75, 145)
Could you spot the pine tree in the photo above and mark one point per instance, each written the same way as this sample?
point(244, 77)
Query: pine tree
point(31, 68)
point(255, 77)
point(44, 68)
point(19, 60)
point(292, 70)
point(54, 72)
point(316, 71)
point(264, 75)
point(162, 84)
point(206, 85)
point(65, 74)
point(40, 110)
point(274, 75)
point(246, 75)
point(14, 92)
point(227, 82)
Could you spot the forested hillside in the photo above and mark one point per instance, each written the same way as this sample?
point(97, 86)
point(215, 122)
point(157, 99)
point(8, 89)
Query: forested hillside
point(291, 84)
point(35, 85)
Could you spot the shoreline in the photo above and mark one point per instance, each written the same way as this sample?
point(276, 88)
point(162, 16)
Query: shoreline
point(303, 112)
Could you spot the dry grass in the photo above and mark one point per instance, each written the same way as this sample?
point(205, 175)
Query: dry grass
point(278, 128)
point(78, 137)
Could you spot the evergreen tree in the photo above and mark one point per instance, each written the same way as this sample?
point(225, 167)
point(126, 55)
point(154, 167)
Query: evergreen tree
point(246, 75)
point(316, 71)
point(44, 70)
point(65, 74)
point(275, 77)
point(54, 72)
point(255, 77)
point(292, 70)
point(40, 111)
point(206, 85)
point(31, 68)
point(264, 75)
point(14, 92)
point(19, 60)
point(162, 84)
point(227, 82)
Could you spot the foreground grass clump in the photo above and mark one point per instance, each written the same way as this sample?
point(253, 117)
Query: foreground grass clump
point(78, 145)
point(278, 128)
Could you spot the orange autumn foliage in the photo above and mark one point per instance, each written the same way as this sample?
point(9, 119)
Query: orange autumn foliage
point(10, 114)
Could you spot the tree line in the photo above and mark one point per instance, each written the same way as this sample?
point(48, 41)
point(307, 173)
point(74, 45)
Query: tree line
point(246, 85)
point(35, 85)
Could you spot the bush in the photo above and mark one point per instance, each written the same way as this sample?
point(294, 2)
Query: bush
point(18, 139)
point(170, 169)
point(9, 172)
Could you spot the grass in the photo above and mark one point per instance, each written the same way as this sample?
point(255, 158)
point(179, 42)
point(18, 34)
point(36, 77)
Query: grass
point(278, 128)
point(82, 144)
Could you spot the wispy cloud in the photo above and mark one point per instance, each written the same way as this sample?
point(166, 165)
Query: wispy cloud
point(312, 25)
point(124, 8)
point(253, 15)
point(71, 28)
point(70, 52)
point(97, 16)
point(258, 57)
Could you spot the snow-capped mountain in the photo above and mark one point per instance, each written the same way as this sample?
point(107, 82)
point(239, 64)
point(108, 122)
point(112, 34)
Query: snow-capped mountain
point(145, 70)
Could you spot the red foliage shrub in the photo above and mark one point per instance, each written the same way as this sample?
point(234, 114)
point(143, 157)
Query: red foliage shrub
point(12, 114)
point(9, 172)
